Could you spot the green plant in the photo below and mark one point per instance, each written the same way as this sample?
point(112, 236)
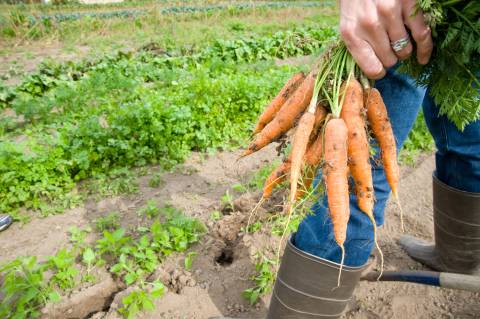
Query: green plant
point(78, 237)
point(155, 180)
point(150, 210)
point(227, 201)
point(189, 260)
point(253, 227)
point(64, 270)
point(113, 244)
point(264, 280)
point(216, 215)
point(258, 179)
point(108, 222)
point(279, 223)
point(88, 258)
point(239, 188)
point(141, 299)
point(24, 289)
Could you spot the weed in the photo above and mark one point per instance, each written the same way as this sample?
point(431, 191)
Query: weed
point(263, 280)
point(189, 260)
point(24, 288)
point(141, 299)
point(216, 215)
point(155, 180)
point(253, 227)
point(64, 271)
point(239, 188)
point(227, 201)
point(78, 237)
point(88, 258)
point(108, 222)
point(258, 179)
point(113, 244)
point(150, 210)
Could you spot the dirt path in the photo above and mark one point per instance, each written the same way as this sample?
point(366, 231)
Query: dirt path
point(226, 255)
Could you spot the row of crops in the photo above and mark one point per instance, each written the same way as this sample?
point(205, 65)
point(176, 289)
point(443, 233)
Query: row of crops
point(80, 120)
point(61, 17)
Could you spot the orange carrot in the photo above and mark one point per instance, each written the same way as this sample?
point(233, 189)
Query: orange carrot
point(320, 115)
point(274, 106)
point(336, 177)
point(358, 150)
point(382, 129)
point(285, 118)
point(299, 146)
point(278, 176)
point(314, 152)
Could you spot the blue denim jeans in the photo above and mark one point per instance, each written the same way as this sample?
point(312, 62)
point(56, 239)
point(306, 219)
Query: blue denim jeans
point(457, 164)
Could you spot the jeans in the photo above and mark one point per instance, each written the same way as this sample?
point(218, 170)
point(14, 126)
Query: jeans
point(457, 165)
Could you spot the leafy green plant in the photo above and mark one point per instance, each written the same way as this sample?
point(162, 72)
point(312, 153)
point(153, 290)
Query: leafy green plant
point(113, 244)
point(64, 270)
point(227, 201)
point(253, 227)
point(141, 299)
point(108, 222)
point(88, 258)
point(189, 260)
point(216, 215)
point(150, 210)
point(24, 288)
point(78, 237)
point(155, 180)
point(258, 179)
point(264, 280)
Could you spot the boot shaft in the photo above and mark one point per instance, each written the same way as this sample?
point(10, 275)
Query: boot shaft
point(457, 228)
point(306, 287)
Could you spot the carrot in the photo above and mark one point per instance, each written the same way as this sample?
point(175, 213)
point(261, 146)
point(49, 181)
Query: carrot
point(359, 153)
point(336, 180)
point(285, 118)
point(358, 150)
point(320, 115)
point(382, 129)
point(274, 106)
point(314, 152)
point(278, 176)
point(299, 146)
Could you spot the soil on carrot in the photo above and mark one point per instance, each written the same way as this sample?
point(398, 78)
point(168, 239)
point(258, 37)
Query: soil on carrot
point(227, 254)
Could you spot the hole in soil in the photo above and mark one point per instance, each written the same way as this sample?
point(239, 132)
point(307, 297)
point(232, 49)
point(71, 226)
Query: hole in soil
point(227, 210)
point(225, 257)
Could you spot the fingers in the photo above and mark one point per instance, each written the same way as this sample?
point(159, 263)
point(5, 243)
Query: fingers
point(421, 33)
point(364, 55)
point(393, 19)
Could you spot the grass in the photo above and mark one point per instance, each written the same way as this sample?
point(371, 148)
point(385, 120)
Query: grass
point(166, 30)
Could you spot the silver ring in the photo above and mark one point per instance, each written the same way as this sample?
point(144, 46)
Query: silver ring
point(401, 44)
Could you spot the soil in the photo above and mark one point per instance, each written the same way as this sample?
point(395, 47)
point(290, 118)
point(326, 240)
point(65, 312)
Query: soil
point(226, 258)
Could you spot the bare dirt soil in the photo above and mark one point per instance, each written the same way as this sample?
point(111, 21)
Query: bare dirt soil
point(226, 255)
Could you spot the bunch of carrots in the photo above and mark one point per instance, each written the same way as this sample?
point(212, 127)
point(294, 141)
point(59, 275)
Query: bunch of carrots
point(331, 114)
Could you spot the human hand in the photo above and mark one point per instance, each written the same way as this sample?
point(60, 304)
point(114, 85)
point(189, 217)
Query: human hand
point(369, 27)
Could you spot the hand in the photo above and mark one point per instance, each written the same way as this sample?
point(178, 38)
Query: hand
point(369, 26)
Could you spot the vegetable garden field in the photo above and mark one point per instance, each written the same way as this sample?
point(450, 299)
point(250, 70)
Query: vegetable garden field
point(121, 127)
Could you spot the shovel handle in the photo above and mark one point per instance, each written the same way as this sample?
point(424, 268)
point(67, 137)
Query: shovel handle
point(431, 278)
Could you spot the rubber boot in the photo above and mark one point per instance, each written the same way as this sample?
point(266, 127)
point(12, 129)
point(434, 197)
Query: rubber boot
point(306, 287)
point(456, 217)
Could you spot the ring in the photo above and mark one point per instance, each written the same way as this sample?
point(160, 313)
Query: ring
point(401, 44)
